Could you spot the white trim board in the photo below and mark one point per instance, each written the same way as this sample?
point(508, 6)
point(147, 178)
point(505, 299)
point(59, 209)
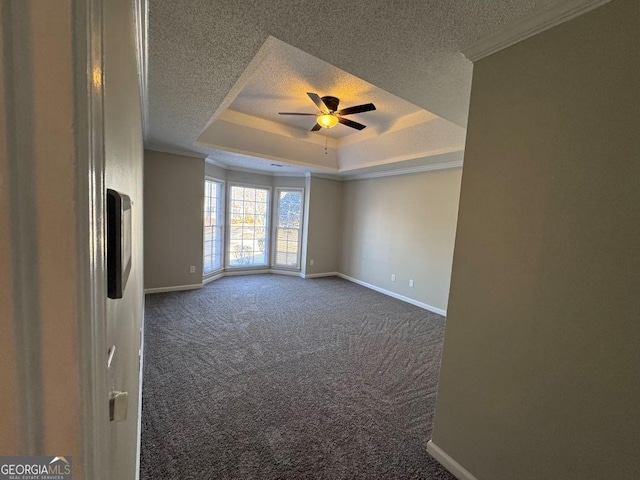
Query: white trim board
point(142, 29)
point(269, 173)
point(228, 273)
point(175, 288)
point(275, 271)
point(233, 273)
point(318, 275)
point(449, 463)
point(326, 176)
point(257, 271)
point(142, 44)
point(433, 309)
point(291, 273)
point(404, 171)
point(174, 151)
point(525, 27)
point(212, 278)
point(342, 175)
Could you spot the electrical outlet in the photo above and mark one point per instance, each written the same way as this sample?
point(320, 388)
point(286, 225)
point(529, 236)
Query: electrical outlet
point(411, 283)
point(311, 262)
point(393, 277)
point(192, 269)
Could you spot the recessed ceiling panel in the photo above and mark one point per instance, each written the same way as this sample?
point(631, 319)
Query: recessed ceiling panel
point(286, 75)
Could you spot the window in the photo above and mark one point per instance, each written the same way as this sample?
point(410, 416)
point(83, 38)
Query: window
point(212, 225)
point(288, 228)
point(248, 226)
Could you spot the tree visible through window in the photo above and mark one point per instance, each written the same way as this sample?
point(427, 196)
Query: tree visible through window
point(248, 226)
point(212, 226)
point(288, 229)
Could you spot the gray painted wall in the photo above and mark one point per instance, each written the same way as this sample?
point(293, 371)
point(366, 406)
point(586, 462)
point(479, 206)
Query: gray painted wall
point(541, 365)
point(249, 178)
point(403, 225)
point(174, 202)
point(215, 171)
point(324, 223)
point(356, 228)
point(293, 182)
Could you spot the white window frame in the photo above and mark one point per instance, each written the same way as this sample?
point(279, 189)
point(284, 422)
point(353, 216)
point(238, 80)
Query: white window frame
point(276, 218)
point(222, 219)
point(267, 230)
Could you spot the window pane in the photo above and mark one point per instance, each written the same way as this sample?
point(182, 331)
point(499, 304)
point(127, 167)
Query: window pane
point(248, 232)
point(212, 226)
point(262, 196)
point(288, 228)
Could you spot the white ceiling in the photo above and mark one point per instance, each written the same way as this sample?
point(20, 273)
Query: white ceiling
point(283, 79)
point(278, 78)
point(199, 49)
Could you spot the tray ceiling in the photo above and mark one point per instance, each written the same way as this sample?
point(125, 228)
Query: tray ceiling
point(199, 49)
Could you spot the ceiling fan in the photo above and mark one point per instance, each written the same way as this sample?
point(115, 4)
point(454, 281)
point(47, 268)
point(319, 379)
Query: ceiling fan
point(330, 116)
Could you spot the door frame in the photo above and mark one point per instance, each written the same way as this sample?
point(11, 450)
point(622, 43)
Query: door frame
point(91, 229)
point(88, 42)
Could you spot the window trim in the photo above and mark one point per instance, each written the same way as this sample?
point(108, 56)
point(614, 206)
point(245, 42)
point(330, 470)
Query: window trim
point(267, 231)
point(274, 252)
point(223, 219)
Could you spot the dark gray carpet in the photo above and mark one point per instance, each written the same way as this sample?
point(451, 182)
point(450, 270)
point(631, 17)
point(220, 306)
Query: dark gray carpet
point(275, 377)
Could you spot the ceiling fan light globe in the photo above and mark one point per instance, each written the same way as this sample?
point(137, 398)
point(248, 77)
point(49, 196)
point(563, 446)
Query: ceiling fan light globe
point(327, 120)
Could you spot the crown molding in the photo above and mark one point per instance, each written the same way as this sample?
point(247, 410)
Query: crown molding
point(268, 173)
point(405, 171)
point(325, 176)
point(291, 174)
point(216, 163)
point(174, 151)
point(525, 27)
point(402, 158)
point(273, 158)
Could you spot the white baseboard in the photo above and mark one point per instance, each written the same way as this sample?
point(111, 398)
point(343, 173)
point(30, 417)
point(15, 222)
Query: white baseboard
point(449, 463)
point(292, 273)
point(176, 288)
point(234, 273)
point(223, 273)
point(213, 277)
point(318, 275)
point(426, 306)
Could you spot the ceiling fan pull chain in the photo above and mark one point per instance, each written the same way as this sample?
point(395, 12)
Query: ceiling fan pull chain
point(326, 142)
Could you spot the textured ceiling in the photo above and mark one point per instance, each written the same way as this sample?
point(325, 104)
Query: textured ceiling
point(283, 79)
point(199, 48)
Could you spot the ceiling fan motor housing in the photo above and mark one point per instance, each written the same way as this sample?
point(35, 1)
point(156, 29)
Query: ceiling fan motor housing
point(329, 115)
point(331, 102)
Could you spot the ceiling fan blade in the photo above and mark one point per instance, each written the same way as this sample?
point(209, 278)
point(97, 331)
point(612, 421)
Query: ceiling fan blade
point(351, 123)
point(318, 101)
point(295, 113)
point(316, 127)
point(367, 107)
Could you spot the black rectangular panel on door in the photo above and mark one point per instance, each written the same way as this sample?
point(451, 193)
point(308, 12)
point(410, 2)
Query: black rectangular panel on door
point(118, 242)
